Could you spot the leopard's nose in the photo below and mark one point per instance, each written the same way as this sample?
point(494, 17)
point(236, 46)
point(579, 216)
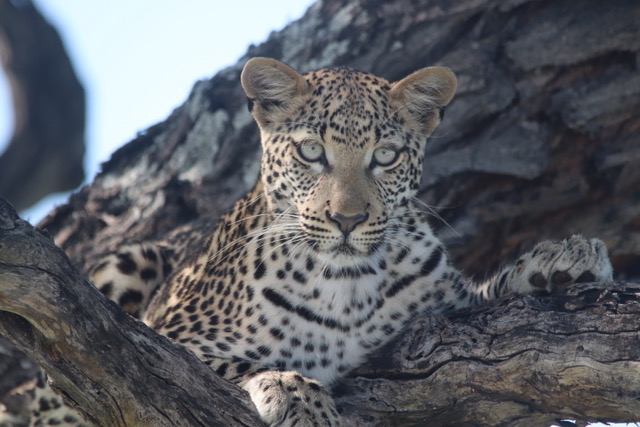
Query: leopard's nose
point(346, 224)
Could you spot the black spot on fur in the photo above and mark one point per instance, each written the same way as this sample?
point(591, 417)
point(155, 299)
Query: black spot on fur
point(148, 274)
point(433, 262)
point(260, 269)
point(537, 280)
point(586, 277)
point(264, 350)
point(150, 255)
point(129, 297)
point(299, 277)
point(222, 369)
point(223, 346)
point(243, 367)
point(276, 333)
point(126, 264)
point(561, 277)
point(107, 288)
point(43, 404)
point(252, 355)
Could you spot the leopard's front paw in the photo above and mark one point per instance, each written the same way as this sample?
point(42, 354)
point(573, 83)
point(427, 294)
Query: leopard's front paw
point(554, 264)
point(289, 399)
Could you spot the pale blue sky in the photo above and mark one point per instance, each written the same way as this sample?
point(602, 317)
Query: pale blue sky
point(139, 58)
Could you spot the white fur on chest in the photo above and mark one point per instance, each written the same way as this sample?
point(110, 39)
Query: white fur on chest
point(331, 324)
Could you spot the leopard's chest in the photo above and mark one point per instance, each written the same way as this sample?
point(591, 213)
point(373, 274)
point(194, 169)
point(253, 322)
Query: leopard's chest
point(274, 303)
point(323, 322)
point(325, 335)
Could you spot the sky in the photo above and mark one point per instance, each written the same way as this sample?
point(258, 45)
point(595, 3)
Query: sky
point(138, 60)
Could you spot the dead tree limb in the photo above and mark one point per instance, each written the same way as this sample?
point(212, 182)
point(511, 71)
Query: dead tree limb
point(522, 361)
point(117, 370)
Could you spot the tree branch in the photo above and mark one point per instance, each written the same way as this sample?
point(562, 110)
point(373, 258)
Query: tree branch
point(119, 371)
point(520, 361)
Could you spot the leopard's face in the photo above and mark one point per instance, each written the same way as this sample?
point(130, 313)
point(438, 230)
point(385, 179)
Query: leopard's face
point(342, 158)
point(341, 170)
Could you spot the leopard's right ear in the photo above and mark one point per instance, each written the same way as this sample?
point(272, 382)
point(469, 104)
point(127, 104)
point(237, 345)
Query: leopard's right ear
point(271, 86)
point(422, 96)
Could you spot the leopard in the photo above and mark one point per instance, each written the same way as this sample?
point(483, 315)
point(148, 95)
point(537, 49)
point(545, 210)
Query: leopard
point(329, 256)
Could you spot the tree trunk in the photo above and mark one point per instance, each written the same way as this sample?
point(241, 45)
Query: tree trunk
point(541, 142)
point(46, 149)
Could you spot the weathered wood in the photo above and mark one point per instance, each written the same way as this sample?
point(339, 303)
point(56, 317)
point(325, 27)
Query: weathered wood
point(120, 372)
point(522, 361)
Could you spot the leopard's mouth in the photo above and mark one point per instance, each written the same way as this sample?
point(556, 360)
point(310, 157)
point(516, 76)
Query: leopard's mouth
point(343, 252)
point(347, 249)
point(344, 255)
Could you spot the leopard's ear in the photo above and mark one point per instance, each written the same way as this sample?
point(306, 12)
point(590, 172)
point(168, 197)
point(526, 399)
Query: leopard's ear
point(271, 86)
point(422, 96)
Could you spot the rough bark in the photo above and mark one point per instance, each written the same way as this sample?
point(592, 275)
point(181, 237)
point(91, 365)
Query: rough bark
point(528, 361)
point(120, 372)
point(46, 150)
point(540, 142)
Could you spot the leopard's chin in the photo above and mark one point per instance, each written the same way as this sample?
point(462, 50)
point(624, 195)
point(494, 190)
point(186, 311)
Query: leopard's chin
point(345, 255)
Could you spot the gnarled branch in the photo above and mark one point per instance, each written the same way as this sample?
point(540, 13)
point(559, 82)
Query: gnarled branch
point(116, 369)
point(520, 361)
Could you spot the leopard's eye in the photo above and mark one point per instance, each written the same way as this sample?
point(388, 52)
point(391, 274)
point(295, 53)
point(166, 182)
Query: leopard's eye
point(311, 152)
point(385, 156)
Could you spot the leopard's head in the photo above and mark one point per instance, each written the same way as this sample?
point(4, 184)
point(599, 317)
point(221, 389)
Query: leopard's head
point(342, 151)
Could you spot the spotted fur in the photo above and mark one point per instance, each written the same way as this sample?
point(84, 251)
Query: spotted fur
point(329, 256)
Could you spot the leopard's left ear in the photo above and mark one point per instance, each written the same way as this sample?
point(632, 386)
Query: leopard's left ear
point(271, 87)
point(423, 95)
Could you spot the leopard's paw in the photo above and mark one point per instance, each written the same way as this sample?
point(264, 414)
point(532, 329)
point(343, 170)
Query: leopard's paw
point(289, 399)
point(552, 265)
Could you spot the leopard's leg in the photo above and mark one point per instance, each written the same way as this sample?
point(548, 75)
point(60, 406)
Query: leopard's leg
point(129, 277)
point(550, 266)
point(282, 398)
point(286, 398)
